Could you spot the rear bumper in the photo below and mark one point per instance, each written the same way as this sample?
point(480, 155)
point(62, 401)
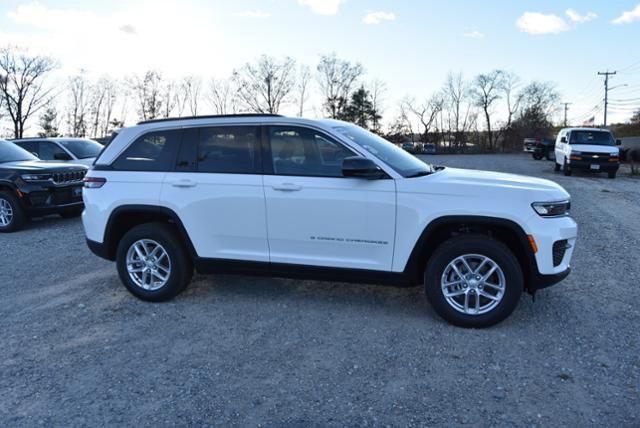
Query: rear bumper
point(99, 249)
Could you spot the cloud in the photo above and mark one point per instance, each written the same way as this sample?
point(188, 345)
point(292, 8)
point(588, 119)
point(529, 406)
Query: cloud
point(253, 14)
point(473, 34)
point(538, 23)
point(628, 16)
point(579, 19)
point(128, 29)
point(322, 7)
point(377, 17)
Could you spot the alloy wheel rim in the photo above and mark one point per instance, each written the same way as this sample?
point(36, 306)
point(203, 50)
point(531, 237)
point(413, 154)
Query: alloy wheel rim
point(6, 213)
point(148, 264)
point(473, 284)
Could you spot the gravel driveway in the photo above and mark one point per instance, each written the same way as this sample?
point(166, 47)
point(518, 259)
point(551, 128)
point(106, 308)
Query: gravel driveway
point(78, 349)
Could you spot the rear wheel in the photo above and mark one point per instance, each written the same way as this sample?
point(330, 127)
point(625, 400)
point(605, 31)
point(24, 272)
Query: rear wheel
point(612, 174)
point(12, 216)
point(550, 155)
point(537, 156)
point(153, 262)
point(473, 281)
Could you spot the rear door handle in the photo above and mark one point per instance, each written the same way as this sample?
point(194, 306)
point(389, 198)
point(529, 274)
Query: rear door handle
point(184, 183)
point(287, 187)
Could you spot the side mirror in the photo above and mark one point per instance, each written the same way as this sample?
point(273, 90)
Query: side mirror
point(563, 139)
point(361, 167)
point(61, 156)
point(618, 142)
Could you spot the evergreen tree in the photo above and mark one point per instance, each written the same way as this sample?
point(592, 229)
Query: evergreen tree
point(49, 123)
point(360, 109)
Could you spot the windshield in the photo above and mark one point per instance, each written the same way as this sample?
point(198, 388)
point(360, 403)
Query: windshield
point(596, 138)
point(402, 162)
point(82, 149)
point(9, 152)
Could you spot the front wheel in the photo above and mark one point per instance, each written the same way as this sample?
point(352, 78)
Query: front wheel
point(612, 174)
point(473, 281)
point(12, 217)
point(537, 156)
point(153, 263)
point(566, 170)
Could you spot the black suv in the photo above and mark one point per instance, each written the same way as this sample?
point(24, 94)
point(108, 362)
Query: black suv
point(30, 187)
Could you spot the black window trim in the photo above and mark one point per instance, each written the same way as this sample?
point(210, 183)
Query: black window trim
point(268, 159)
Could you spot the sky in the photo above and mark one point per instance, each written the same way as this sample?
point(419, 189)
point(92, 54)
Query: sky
point(410, 45)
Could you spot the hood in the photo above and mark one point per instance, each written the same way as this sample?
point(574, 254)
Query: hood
point(594, 148)
point(38, 165)
point(488, 185)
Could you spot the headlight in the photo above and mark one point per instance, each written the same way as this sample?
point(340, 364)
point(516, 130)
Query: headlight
point(35, 177)
point(552, 209)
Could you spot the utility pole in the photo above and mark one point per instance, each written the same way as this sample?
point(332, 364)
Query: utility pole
point(566, 109)
point(606, 75)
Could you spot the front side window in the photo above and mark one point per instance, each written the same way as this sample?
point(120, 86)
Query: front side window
point(305, 152)
point(51, 151)
point(596, 138)
point(82, 149)
point(229, 149)
point(402, 162)
point(153, 151)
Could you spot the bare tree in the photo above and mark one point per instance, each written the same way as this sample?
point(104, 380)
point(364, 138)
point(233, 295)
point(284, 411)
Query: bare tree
point(222, 96)
point(147, 90)
point(22, 85)
point(542, 96)
point(170, 99)
point(302, 87)
point(190, 90)
point(425, 113)
point(510, 84)
point(337, 78)
point(456, 95)
point(485, 92)
point(77, 110)
point(378, 89)
point(264, 86)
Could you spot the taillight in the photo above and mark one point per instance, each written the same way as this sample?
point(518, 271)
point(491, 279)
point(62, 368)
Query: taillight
point(94, 182)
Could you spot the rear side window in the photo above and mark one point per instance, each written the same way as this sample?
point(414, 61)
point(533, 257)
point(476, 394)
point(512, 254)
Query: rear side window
point(154, 151)
point(229, 149)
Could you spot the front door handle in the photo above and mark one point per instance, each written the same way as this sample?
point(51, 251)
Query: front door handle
point(287, 187)
point(184, 183)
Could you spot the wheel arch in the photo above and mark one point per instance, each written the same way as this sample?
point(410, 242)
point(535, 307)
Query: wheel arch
point(125, 217)
point(442, 228)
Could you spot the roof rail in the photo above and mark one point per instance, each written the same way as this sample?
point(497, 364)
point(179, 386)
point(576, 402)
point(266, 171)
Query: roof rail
point(212, 116)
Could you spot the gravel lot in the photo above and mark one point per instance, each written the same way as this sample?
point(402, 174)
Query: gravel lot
point(78, 349)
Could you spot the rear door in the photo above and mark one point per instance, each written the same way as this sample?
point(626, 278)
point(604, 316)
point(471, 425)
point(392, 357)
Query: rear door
point(216, 189)
point(315, 216)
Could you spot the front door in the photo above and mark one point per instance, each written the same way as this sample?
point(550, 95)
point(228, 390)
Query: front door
point(315, 216)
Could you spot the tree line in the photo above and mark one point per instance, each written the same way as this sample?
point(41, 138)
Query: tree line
point(491, 112)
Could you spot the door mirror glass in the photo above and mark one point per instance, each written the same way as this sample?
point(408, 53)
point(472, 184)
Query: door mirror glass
point(563, 139)
point(361, 167)
point(618, 142)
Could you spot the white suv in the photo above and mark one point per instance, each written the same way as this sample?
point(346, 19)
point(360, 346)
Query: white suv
point(320, 199)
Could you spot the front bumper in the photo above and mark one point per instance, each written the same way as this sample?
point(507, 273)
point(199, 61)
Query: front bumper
point(538, 281)
point(43, 199)
point(586, 165)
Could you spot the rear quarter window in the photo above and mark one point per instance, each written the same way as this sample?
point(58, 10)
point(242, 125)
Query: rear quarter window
point(153, 151)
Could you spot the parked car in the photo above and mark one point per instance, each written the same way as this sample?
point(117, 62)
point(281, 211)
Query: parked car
point(429, 148)
point(30, 187)
point(261, 194)
point(410, 147)
point(76, 150)
point(539, 147)
point(588, 149)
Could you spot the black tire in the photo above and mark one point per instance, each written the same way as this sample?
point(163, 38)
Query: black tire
point(566, 170)
point(181, 263)
point(18, 216)
point(612, 174)
point(73, 213)
point(485, 246)
point(537, 156)
point(556, 166)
